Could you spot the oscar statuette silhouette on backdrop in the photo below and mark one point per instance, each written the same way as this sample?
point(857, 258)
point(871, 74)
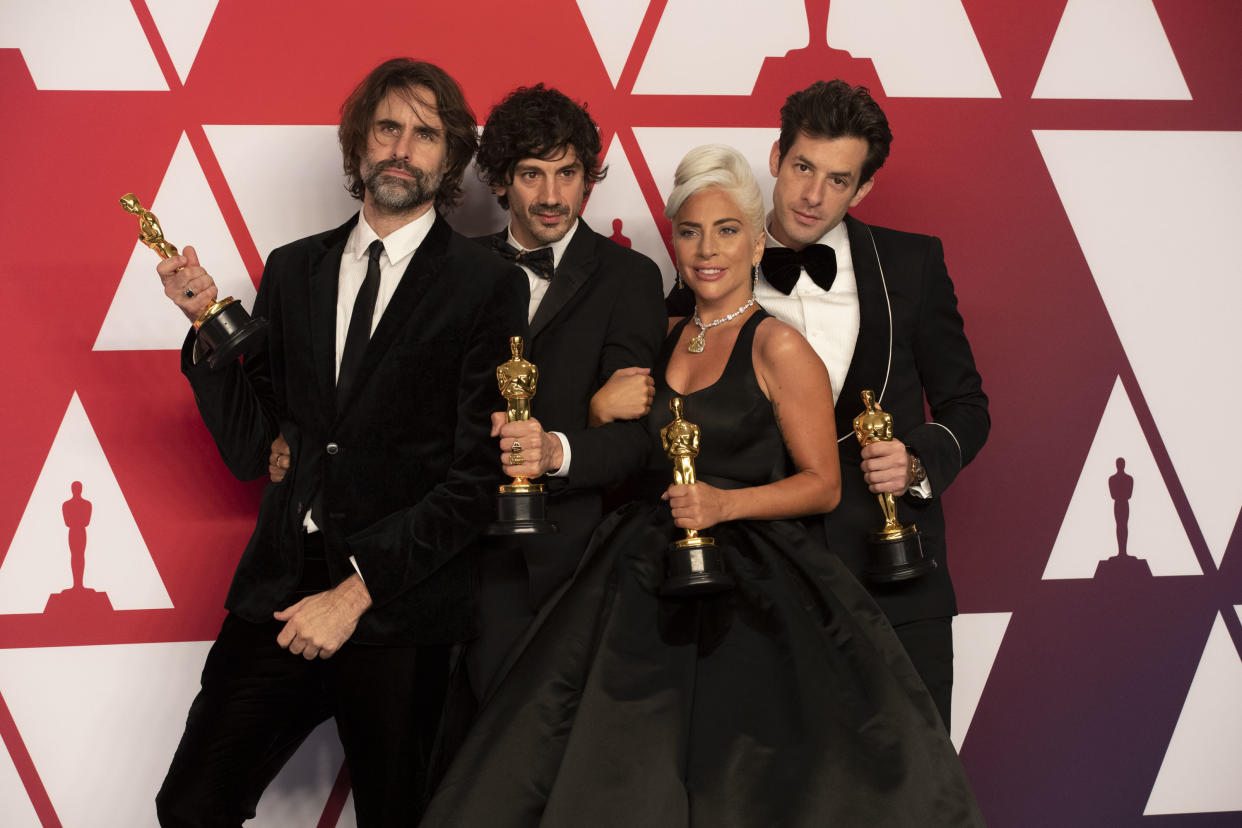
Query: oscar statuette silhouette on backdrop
point(1122, 565)
point(78, 598)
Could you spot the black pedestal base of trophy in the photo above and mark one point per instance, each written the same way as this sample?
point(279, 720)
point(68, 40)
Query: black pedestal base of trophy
point(694, 567)
point(896, 557)
point(521, 513)
point(230, 333)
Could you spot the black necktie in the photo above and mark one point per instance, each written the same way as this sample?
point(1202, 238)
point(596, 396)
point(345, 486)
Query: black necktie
point(782, 266)
point(539, 260)
point(359, 324)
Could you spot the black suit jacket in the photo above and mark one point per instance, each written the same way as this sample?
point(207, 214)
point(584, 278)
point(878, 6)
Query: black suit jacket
point(604, 310)
point(403, 474)
point(911, 346)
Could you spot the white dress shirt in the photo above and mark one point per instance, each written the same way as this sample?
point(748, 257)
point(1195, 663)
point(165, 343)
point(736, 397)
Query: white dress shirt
point(538, 287)
point(828, 319)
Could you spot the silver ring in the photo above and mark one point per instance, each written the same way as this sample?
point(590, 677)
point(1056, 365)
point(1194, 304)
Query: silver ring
point(188, 293)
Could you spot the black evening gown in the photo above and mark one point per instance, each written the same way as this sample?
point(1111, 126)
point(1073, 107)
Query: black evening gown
point(787, 701)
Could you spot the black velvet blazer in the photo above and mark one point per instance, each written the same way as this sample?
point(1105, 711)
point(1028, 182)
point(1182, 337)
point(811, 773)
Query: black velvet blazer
point(402, 473)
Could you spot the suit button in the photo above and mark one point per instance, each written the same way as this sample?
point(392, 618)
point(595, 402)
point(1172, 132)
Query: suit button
point(333, 448)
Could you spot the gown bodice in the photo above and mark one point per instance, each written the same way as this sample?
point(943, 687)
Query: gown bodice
point(740, 443)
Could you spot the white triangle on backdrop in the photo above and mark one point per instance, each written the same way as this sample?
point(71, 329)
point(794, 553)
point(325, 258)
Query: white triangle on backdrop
point(86, 45)
point(182, 25)
point(117, 559)
point(81, 709)
point(1171, 280)
point(15, 803)
point(1200, 769)
point(1088, 531)
point(977, 639)
point(614, 27)
point(920, 48)
point(1111, 49)
point(300, 791)
point(619, 197)
point(664, 147)
point(736, 37)
point(286, 179)
point(141, 317)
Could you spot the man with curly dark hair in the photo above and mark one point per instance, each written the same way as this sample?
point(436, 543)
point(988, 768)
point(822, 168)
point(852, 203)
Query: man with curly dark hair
point(596, 322)
point(376, 373)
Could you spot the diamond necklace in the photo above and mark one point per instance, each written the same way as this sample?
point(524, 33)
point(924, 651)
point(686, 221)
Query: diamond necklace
point(699, 342)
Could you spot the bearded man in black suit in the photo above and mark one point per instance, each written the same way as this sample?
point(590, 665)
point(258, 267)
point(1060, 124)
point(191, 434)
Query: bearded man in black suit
point(878, 307)
point(596, 323)
point(378, 364)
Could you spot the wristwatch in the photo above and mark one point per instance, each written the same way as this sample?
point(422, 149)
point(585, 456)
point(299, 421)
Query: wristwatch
point(915, 472)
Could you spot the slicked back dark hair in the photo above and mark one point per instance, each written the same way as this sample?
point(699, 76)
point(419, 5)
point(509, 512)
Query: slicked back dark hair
point(834, 109)
point(535, 122)
point(410, 77)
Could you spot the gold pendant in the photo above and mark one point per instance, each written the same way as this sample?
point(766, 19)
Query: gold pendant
point(697, 345)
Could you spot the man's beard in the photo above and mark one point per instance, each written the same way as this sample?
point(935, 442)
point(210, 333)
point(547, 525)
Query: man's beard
point(399, 194)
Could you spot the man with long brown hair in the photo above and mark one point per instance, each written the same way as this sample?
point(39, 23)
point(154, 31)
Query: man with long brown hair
point(376, 384)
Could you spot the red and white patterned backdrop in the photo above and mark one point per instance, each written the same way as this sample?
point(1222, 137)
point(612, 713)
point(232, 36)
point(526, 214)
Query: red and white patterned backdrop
point(1081, 159)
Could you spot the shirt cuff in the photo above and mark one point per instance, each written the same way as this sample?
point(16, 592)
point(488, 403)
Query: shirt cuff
point(922, 489)
point(566, 456)
point(311, 528)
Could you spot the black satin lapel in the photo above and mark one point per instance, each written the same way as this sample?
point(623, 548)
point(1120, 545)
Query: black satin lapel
point(576, 267)
point(324, 280)
point(869, 365)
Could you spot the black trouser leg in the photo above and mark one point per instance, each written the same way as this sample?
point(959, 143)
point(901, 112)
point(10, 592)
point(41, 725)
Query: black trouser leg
point(929, 643)
point(257, 704)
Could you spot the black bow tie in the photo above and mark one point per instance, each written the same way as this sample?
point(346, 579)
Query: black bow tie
point(539, 260)
point(782, 266)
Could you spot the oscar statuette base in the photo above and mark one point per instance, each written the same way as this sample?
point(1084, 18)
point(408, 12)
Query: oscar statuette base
point(896, 555)
point(521, 509)
point(226, 331)
point(694, 567)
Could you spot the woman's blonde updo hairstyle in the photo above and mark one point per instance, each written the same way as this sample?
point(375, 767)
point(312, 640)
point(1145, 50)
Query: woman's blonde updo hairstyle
point(715, 166)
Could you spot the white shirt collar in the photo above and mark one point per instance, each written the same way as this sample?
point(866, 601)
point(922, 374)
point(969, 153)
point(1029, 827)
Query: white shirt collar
point(398, 244)
point(558, 247)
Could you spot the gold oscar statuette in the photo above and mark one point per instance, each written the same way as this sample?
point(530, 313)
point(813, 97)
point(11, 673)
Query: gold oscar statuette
point(693, 564)
point(521, 508)
point(895, 552)
point(224, 329)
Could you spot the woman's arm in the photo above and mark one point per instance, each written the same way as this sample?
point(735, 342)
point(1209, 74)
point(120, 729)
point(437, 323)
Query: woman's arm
point(794, 379)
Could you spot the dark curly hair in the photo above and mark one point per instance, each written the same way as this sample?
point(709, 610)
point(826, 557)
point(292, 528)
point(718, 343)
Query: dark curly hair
point(834, 109)
point(409, 76)
point(535, 122)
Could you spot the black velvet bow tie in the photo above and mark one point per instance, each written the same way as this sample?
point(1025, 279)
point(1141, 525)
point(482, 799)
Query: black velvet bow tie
point(782, 266)
point(539, 260)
